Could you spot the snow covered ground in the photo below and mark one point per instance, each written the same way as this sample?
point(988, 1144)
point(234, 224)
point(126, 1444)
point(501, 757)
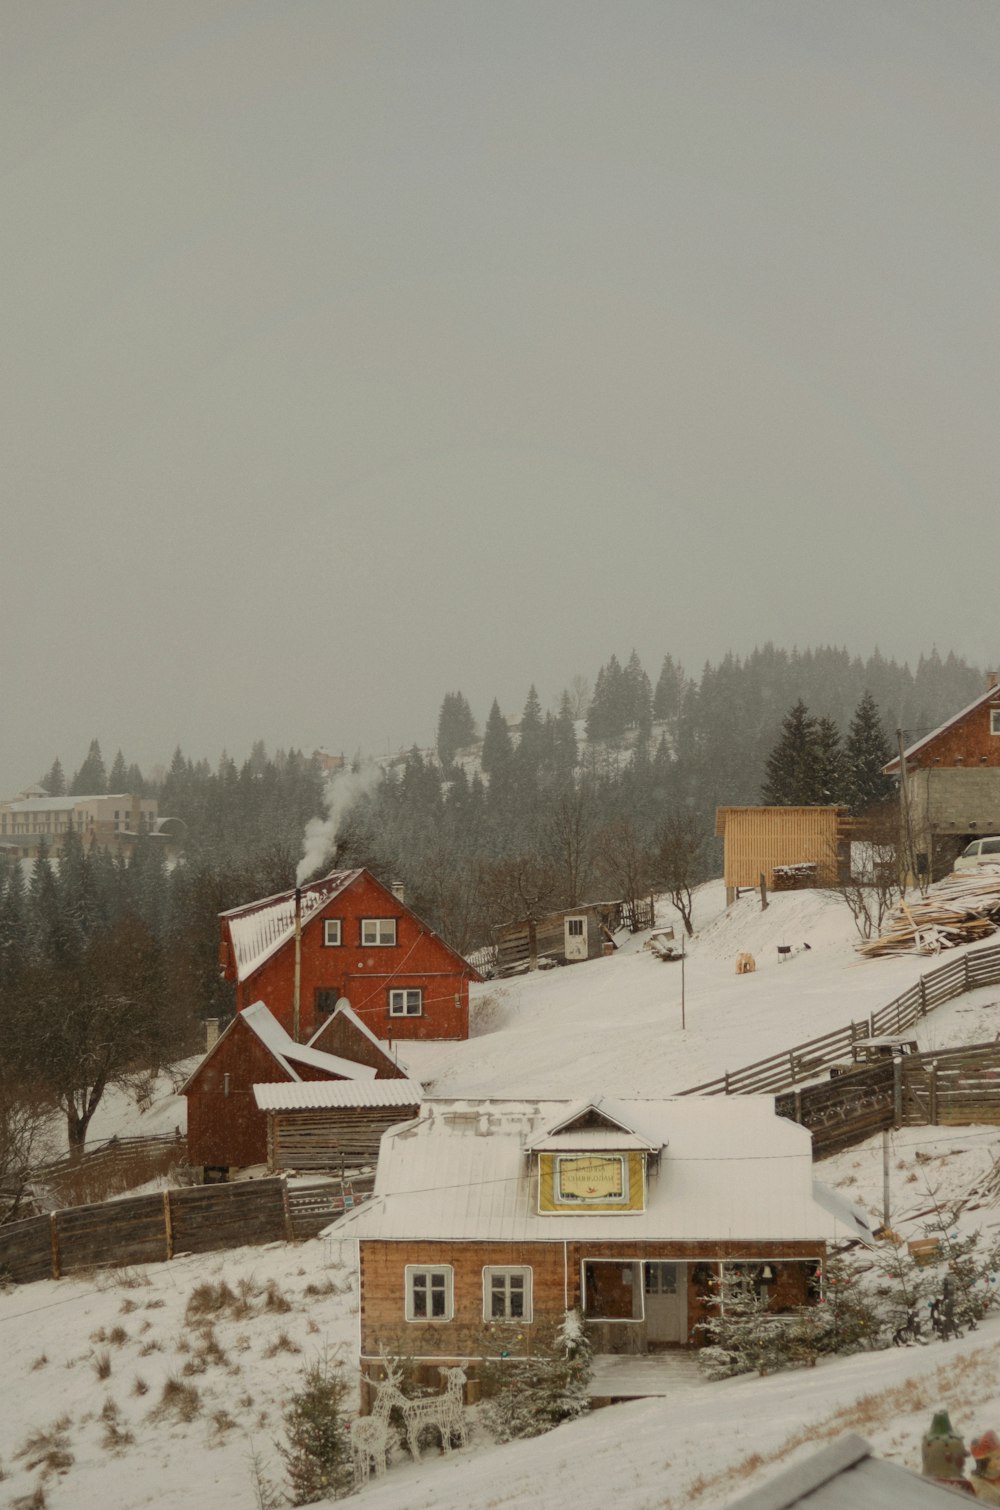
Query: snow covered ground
point(611, 1025)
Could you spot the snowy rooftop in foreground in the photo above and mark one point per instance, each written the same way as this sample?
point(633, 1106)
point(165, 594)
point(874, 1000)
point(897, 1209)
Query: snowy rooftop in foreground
point(729, 1170)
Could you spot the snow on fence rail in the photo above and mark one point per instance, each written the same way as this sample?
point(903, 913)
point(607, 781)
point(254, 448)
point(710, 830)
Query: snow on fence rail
point(778, 1072)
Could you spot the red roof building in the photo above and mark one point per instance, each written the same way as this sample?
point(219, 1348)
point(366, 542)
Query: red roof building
point(346, 938)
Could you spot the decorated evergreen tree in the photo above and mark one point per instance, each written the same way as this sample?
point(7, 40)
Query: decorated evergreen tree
point(318, 1451)
point(866, 751)
point(530, 1395)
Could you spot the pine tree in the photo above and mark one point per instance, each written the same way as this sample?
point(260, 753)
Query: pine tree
point(91, 779)
point(318, 1453)
point(669, 692)
point(792, 768)
point(498, 748)
point(564, 749)
point(639, 697)
point(831, 773)
point(531, 742)
point(118, 775)
point(456, 727)
point(866, 751)
point(55, 782)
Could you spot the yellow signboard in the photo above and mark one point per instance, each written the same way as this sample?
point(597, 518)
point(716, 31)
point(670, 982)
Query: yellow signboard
point(590, 1177)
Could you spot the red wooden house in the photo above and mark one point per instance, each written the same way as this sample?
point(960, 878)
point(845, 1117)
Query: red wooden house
point(226, 1130)
point(346, 937)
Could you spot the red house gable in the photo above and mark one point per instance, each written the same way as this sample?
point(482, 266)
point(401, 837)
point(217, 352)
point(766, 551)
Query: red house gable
point(970, 738)
point(225, 1128)
point(359, 942)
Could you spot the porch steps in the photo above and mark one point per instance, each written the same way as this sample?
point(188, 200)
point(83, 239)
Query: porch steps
point(630, 1376)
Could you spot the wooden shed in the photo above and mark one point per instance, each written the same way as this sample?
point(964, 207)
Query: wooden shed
point(317, 1127)
point(225, 1128)
point(787, 845)
point(557, 938)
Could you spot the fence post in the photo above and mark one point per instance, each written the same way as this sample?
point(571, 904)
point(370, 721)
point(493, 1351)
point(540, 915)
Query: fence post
point(923, 997)
point(168, 1224)
point(798, 1106)
point(726, 1082)
point(289, 1231)
point(54, 1239)
point(968, 982)
point(897, 1092)
point(933, 1094)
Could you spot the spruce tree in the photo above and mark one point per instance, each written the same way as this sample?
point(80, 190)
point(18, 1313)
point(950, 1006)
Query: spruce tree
point(91, 779)
point(866, 751)
point(531, 743)
point(498, 748)
point(118, 775)
point(830, 767)
point(793, 767)
point(456, 727)
point(55, 782)
point(669, 692)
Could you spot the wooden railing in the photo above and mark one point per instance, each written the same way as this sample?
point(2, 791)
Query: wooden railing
point(778, 1072)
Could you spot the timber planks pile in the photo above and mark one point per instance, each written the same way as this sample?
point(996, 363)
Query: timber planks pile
point(961, 909)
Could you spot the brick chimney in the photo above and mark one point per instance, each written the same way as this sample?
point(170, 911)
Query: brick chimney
point(991, 679)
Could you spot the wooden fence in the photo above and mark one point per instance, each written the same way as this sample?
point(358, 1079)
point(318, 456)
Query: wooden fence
point(106, 1169)
point(953, 1087)
point(779, 1072)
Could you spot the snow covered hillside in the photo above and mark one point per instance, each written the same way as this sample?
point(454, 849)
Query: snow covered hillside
point(611, 1025)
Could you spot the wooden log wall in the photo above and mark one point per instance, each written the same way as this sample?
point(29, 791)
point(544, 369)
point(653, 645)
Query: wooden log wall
point(326, 1139)
point(145, 1229)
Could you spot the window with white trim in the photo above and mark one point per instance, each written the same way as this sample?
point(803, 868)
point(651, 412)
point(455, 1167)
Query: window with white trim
point(406, 1003)
point(995, 720)
point(506, 1294)
point(378, 932)
point(429, 1293)
point(331, 932)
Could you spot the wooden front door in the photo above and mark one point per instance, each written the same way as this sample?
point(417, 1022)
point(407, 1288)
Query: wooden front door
point(666, 1302)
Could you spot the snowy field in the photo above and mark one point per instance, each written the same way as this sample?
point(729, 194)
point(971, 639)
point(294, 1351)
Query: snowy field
point(611, 1025)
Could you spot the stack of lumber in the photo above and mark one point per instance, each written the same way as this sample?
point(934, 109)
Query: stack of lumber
point(961, 909)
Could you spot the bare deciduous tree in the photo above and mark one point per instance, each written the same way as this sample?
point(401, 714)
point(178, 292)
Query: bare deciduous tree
point(568, 842)
point(24, 1126)
point(626, 861)
point(678, 862)
point(876, 879)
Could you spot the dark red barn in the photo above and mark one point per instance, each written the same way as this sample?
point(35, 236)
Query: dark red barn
point(346, 937)
point(225, 1128)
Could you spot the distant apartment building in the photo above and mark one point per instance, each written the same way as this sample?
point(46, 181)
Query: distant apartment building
point(113, 822)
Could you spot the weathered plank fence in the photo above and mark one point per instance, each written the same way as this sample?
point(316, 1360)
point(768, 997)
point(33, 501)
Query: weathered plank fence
point(951, 1087)
point(118, 1164)
point(779, 1072)
point(153, 1228)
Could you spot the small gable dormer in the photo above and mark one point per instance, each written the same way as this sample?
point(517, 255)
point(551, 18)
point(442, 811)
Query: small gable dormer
point(592, 1160)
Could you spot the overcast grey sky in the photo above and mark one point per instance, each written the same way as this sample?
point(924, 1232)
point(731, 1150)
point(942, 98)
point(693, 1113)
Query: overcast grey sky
point(355, 351)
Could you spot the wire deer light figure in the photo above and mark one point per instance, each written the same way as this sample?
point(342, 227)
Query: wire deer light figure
point(372, 1436)
point(445, 1411)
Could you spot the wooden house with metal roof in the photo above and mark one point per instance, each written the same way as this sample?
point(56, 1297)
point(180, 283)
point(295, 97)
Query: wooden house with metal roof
point(491, 1218)
point(790, 847)
point(346, 937)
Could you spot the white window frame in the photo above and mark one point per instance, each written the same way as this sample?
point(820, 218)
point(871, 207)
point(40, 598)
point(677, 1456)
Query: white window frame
point(430, 1272)
point(332, 933)
point(995, 720)
point(378, 926)
point(507, 1270)
point(399, 1004)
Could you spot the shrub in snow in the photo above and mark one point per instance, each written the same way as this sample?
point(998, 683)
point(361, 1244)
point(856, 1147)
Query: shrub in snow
point(532, 1394)
point(317, 1454)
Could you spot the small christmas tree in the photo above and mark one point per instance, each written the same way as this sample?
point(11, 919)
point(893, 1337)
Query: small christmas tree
point(530, 1395)
point(318, 1454)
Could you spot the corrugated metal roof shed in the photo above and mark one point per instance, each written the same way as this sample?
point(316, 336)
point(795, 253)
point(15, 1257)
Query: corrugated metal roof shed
point(730, 1170)
point(326, 1093)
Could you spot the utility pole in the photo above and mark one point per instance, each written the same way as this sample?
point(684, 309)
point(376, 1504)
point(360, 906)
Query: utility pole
point(683, 959)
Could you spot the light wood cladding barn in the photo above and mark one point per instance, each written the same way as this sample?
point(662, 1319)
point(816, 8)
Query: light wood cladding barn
point(759, 840)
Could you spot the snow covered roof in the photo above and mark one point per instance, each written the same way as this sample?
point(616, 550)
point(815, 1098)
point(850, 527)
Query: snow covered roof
point(892, 766)
point(845, 1476)
point(326, 1093)
point(605, 1124)
point(284, 1049)
point(345, 1010)
point(730, 1170)
point(258, 929)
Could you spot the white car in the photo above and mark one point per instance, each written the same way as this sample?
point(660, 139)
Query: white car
point(980, 852)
